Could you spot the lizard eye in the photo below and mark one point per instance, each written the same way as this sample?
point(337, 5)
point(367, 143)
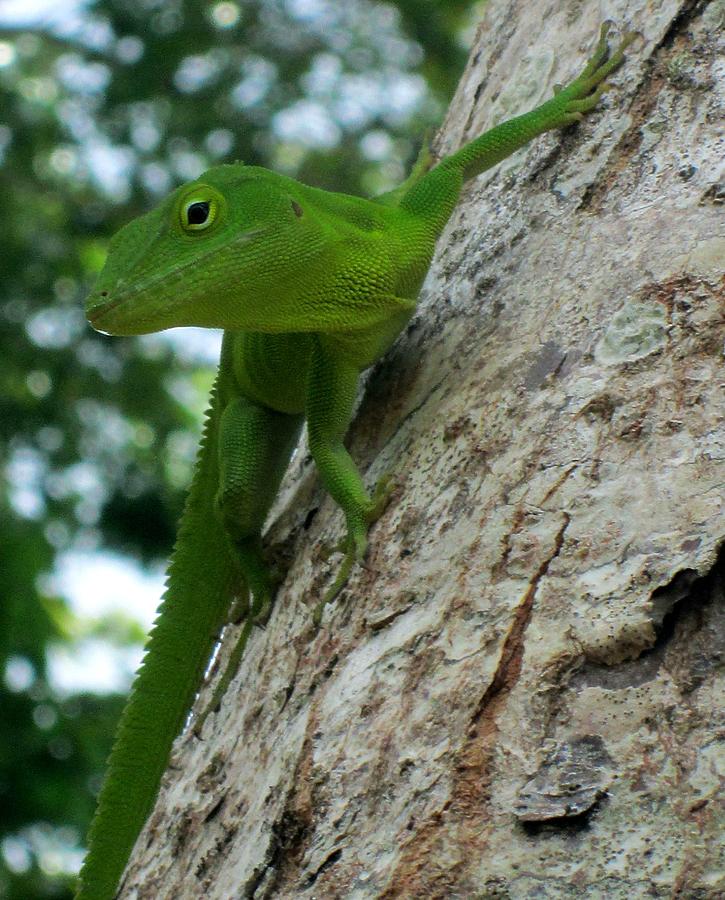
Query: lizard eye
point(196, 214)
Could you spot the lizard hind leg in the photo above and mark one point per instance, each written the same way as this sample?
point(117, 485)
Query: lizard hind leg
point(255, 444)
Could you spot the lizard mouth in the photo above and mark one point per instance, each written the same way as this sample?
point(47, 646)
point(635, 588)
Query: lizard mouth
point(103, 314)
point(137, 310)
point(114, 312)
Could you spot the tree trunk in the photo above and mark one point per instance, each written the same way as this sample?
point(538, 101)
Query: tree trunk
point(516, 696)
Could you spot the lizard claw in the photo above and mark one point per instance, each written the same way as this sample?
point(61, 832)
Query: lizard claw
point(381, 497)
point(226, 678)
point(355, 547)
point(354, 544)
point(583, 94)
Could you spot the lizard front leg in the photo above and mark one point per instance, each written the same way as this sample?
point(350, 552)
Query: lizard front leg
point(434, 195)
point(332, 384)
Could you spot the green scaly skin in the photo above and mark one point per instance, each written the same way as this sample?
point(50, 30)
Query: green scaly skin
point(310, 288)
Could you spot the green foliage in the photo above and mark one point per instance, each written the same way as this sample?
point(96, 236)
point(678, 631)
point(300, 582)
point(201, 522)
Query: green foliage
point(102, 112)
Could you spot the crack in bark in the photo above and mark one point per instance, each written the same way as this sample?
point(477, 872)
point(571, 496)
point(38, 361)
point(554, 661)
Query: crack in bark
point(683, 596)
point(418, 874)
point(292, 830)
point(689, 11)
point(288, 836)
point(557, 484)
point(510, 662)
point(329, 861)
point(214, 857)
point(428, 396)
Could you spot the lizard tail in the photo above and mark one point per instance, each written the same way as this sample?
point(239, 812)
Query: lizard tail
point(194, 607)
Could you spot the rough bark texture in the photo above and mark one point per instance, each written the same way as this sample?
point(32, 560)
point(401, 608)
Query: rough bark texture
point(518, 695)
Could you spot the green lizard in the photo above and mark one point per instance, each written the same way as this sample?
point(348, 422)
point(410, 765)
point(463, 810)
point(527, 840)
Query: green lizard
point(310, 287)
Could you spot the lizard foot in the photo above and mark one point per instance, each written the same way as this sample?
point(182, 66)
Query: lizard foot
point(354, 546)
point(583, 94)
point(355, 543)
point(227, 677)
point(251, 613)
point(381, 497)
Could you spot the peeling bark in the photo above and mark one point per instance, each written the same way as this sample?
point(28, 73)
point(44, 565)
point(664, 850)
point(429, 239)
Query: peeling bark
point(520, 694)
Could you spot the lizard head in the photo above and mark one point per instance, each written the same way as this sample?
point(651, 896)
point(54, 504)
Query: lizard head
point(222, 252)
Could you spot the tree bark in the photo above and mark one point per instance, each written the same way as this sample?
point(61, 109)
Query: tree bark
point(517, 695)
